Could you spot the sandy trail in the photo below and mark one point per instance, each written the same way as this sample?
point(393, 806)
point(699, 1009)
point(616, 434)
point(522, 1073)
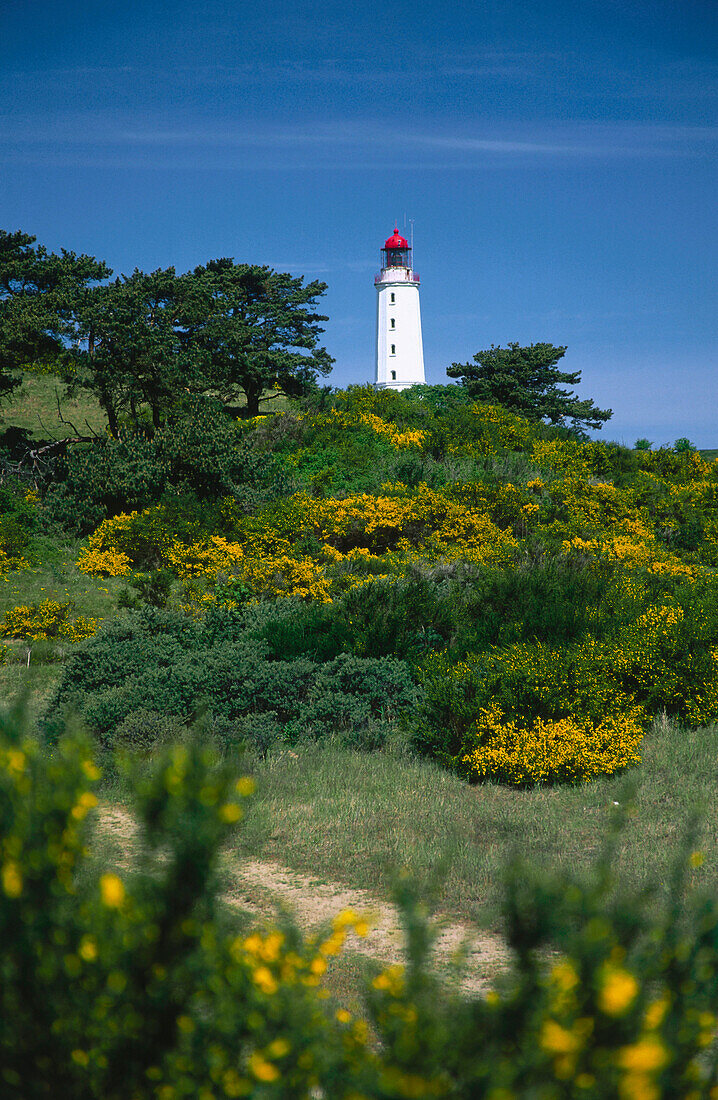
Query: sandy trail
point(260, 886)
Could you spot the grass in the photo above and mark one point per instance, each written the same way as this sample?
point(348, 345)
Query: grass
point(34, 683)
point(361, 818)
point(59, 579)
point(34, 406)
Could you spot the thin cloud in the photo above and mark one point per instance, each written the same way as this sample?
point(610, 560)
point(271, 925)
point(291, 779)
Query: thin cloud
point(342, 144)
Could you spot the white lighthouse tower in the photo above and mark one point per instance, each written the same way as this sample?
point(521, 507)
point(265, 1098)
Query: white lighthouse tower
point(399, 350)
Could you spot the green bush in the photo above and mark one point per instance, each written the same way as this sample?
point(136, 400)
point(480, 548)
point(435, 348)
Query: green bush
point(198, 451)
point(146, 730)
point(524, 682)
point(135, 982)
point(19, 524)
point(156, 662)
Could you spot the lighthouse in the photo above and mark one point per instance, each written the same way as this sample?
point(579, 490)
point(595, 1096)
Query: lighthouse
point(399, 350)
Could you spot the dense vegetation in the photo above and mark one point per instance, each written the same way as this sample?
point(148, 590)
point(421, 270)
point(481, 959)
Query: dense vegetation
point(524, 602)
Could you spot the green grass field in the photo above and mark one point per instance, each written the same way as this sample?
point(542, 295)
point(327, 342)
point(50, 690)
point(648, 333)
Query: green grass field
point(361, 818)
point(34, 406)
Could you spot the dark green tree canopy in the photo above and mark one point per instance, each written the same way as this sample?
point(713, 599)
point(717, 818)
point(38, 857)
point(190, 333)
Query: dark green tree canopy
point(145, 340)
point(527, 381)
point(40, 292)
point(131, 345)
point(223, 329)
point(252, 329)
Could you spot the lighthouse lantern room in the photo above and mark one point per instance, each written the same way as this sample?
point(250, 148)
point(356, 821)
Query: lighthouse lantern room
point(399, 349)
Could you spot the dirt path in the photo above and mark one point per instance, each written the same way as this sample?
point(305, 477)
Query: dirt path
point(259, 886)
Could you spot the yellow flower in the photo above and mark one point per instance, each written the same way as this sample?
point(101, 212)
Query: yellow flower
point(346, 919)
point(564, 976)
point(87, 949)
point(618, 991)
point(16, 761)
point(230, 812)
point(91, 770)
point(333, 945)
point(112, 891)
point(645, 1056)
point(264, 978)
point(557, 1040)
point(11, 878)
point(269, 947)
point(86, 801)
point(245, 786)
point(261, 1068)
point(638, 1086)
point(655, 1013)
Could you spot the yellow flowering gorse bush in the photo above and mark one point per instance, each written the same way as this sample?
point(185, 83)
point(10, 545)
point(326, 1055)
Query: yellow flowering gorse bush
point(48, 619)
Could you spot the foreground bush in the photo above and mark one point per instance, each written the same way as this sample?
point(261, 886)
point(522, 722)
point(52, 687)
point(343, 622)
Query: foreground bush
point(134, 984)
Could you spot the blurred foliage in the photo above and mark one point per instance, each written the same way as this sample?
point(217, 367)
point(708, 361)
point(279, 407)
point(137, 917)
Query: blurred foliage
point(134, 982)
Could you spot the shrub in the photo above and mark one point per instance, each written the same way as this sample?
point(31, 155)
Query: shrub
point(199, 450)
point(19, 523)
point(159, 662)
point(131, 982)
point(119, 984)
point(148, 730)
point(48, 619)
point(522, 699)
point(561, 751)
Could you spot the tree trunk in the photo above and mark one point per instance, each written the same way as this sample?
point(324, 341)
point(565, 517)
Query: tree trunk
point(111, 417)
point(253, 397)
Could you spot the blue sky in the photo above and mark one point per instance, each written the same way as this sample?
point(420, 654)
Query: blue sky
point(558, 159)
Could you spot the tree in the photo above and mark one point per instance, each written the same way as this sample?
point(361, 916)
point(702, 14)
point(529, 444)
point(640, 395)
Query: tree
point(526, 381)
point(40, 293)
point(251, 329)
point(145, 340)
point(132, 343)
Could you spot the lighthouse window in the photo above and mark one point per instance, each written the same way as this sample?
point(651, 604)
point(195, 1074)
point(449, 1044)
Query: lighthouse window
point(392, 299)
point(393, 376)
point(392, 322)
point(393, 349)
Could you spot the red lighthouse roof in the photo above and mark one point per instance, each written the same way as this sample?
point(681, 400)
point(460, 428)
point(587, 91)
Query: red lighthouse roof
point(396, 240)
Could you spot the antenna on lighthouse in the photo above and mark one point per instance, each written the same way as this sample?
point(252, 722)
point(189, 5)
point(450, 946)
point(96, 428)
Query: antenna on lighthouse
point(411, 236)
